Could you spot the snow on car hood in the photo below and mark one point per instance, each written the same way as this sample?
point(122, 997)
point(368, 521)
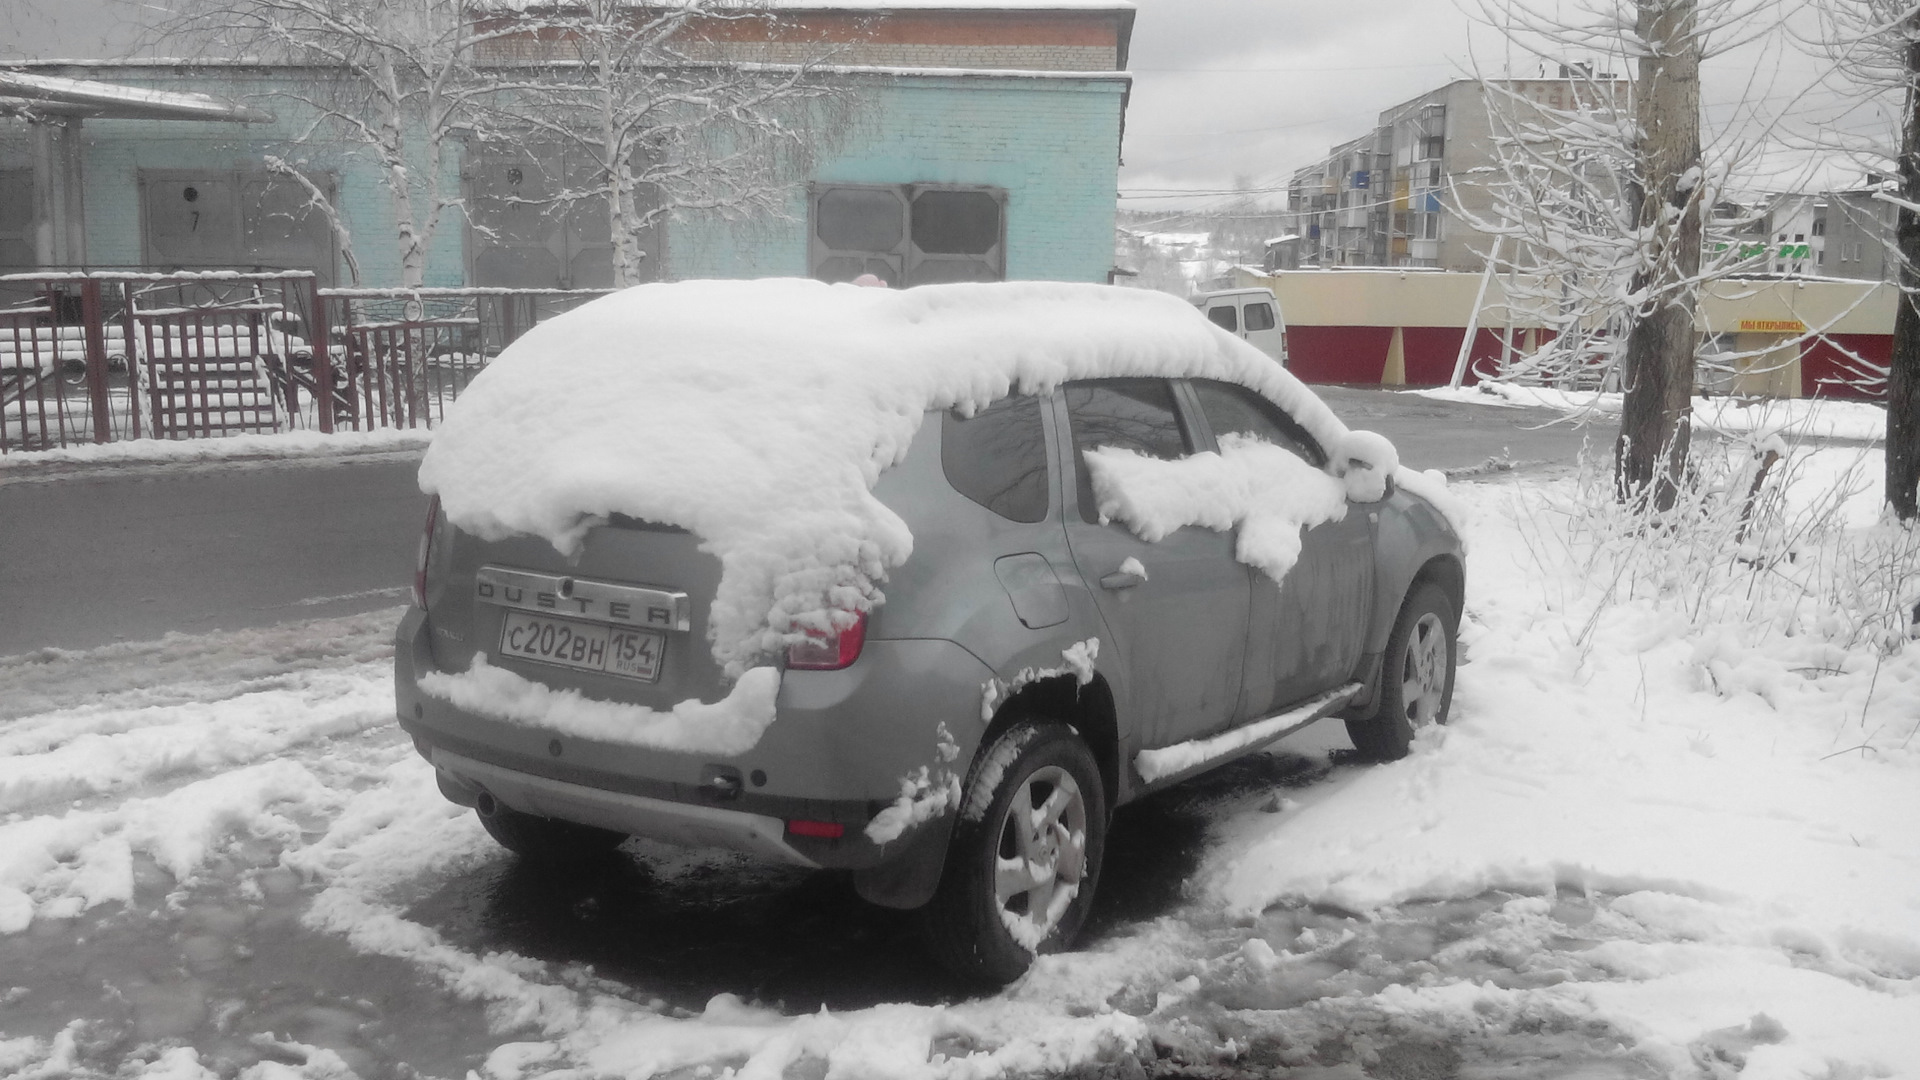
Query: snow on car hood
point(758, 414)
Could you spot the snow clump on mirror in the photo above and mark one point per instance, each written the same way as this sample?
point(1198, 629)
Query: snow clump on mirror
point(758, 414)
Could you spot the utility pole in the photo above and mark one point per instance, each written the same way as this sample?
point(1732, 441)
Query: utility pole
point(1655, 423)
point(1903, 374)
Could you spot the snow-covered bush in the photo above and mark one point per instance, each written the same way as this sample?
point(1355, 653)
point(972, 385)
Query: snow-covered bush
point(1766, 540)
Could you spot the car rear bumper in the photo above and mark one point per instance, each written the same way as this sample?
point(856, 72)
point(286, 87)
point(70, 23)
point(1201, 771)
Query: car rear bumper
point(465, 780)
point(836, 755)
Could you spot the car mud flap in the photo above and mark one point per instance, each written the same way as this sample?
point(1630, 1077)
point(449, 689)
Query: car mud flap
point(907, 878)
point(1367, 702)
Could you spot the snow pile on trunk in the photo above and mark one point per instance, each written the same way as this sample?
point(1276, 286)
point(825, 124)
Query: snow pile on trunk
point(732, 725)
point(757, 414)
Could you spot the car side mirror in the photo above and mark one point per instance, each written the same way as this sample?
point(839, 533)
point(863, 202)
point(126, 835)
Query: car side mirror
point(1367, 463)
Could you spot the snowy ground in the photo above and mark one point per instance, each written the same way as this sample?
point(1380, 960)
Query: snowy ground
point(1670, 832)
point(1808, 418)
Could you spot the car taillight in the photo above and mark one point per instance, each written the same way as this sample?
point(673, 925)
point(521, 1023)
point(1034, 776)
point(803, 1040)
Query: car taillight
point(426, 547)
point(832, 651)
point(820, 830)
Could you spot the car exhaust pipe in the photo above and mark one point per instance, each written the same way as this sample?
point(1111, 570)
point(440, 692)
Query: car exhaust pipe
point(486, 804)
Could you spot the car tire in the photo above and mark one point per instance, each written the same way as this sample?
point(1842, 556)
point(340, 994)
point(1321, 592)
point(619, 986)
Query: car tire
point(546, 839)
point(1416, 676)
point(982, 922)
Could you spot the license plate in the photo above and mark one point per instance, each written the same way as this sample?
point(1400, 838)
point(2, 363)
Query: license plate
point(631, 654)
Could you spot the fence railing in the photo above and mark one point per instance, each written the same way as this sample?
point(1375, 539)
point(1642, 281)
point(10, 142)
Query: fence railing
point(402, 354)
point(100, 356)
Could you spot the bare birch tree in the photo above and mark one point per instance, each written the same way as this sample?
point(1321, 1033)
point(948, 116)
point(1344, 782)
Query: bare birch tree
point(393, 78)
point(1609, 205)
point(665, 110)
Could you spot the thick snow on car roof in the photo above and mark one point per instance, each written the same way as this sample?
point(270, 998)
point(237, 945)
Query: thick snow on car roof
point(757, 415)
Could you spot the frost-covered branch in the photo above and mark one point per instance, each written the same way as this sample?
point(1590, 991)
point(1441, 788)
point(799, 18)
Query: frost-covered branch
point(643, 113)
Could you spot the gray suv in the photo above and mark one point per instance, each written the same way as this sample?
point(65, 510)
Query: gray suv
point(960, 749)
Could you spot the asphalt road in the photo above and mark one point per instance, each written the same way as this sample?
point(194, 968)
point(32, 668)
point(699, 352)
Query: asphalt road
point(1449, 436)
point(128, 553)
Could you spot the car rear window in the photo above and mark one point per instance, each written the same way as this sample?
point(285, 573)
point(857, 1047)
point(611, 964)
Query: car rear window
point(1260, 316)
point(1226, 318)
point(998, 458)
point(1133, 414)
point(1235, 409)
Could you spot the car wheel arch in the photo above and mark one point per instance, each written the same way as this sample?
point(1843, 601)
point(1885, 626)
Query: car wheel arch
point(1443, 570)
point(1088, 709)
point(1446, 572)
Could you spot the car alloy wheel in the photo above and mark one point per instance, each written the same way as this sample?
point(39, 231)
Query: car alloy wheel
point(1416, 680)
point(1042, 856)
point(1025, 854)
point(1426, 671)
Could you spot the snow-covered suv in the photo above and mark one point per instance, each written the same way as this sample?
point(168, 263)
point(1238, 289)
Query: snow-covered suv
point(918, 584)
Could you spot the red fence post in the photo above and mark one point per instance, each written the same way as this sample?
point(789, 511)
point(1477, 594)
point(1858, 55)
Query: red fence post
point(322, 345)
point(132, 347)
point(93, 317)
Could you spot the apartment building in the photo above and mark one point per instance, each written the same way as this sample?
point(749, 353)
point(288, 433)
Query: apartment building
point(1831, 234)
point(1407, 193)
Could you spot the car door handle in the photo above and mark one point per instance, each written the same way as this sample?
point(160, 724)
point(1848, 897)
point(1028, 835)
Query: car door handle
point(1121, 579)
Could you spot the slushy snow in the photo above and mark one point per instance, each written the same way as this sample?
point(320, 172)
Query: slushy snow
point(1646, 845)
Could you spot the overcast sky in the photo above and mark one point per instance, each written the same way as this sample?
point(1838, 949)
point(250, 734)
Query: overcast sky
point(1236, 94)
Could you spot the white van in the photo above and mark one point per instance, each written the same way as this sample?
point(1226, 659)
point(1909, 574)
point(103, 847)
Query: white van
point(1253, 314)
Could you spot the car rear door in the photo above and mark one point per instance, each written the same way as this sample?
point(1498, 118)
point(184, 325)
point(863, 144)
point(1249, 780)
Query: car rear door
point(1260, 325)
point(1253, 317)
point(1306, 633)
point(1178, 634)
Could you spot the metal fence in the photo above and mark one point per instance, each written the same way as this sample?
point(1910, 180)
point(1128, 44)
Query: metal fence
point(95, 357)
point(401, 355)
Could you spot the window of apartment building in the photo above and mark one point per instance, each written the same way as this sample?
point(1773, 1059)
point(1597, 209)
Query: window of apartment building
point(910, 234)
point(523, 235)
point(1426, 226)
point(1432, 147)
point(234, 219)
point(16, 219)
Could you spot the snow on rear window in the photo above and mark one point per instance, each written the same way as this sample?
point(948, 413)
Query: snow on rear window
point(764, 435)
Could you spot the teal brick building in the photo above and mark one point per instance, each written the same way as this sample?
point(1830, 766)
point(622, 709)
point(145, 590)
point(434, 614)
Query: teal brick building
point(977, 140)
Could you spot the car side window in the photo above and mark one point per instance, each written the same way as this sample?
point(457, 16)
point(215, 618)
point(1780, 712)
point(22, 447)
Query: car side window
point(1224, 317)
point(1238, 410)
point(1259, 316)
point(998, 458)
point(1133, 414)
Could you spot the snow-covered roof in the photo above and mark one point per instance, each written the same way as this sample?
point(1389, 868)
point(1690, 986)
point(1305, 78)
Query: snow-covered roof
point(758, 414)
point(52, 94)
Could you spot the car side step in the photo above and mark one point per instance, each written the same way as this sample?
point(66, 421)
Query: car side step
point(1181, 760)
